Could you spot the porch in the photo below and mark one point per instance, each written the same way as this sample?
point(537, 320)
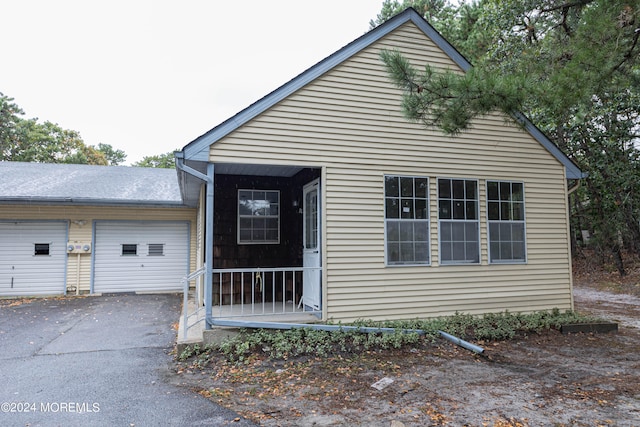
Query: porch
point(254, 221)
point(258, 294)
point(272, 292)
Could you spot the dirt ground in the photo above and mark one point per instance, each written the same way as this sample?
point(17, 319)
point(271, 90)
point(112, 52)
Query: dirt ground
point(537, 380)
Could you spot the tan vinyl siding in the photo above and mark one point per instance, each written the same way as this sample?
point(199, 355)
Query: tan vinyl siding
point(84, 233)
point(349, 122)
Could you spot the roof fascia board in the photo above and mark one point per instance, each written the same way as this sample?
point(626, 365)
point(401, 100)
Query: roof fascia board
point(571, 169)
point(199, 148)
point(86, 202)
point(440, 41)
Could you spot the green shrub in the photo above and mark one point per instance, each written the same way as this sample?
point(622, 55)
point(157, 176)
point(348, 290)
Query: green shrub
point(283, 344)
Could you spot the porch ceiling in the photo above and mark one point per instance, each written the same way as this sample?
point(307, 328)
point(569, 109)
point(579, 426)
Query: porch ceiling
point(261, 170)
point(190, 185)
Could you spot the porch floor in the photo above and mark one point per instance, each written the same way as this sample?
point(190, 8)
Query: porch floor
point(266, 312)
point(262, 312)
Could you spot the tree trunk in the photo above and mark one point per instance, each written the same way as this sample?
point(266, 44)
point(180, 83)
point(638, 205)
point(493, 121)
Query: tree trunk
point(633, 240)
point(617, 257)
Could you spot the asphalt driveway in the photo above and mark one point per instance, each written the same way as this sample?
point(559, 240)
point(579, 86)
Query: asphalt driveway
point(99, 361)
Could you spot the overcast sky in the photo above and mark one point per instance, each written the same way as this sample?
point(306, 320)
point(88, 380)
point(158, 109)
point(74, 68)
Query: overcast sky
point(149, 76)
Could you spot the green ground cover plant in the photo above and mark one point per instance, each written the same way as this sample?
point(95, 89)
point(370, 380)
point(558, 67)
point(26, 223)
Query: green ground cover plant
point(285, 344)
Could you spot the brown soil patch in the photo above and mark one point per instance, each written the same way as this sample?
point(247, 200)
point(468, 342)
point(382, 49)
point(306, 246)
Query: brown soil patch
point(536, 380)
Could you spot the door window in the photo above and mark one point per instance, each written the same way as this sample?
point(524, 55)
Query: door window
point(311, 219)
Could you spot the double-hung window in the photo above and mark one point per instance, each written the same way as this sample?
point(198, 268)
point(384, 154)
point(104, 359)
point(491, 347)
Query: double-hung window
point(258, 216)
point(407, 219)
point(505, 213)
point(458, 219)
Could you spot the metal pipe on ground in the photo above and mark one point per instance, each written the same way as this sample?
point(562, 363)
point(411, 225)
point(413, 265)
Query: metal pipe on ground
point(318, 327)
point(462, 343)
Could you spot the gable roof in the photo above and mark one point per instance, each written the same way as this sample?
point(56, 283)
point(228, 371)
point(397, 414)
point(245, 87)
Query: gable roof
point(198, 149)
point(50, 183)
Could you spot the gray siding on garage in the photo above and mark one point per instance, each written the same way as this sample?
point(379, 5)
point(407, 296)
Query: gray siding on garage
point(22, 272)
point(142, 272)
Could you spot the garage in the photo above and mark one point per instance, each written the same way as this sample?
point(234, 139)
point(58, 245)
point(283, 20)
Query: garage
point(33, 258)
point(140, 256)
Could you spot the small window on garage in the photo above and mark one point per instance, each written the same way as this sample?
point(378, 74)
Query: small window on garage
point(41, 249)
point(129, 249)
point(156, 249)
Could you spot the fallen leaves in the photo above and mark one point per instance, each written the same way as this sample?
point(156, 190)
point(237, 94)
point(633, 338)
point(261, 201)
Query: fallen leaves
point(435, 415)
point(568, 380)
point(15, 302)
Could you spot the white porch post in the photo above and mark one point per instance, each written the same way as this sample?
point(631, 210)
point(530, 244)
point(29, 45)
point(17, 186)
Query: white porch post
point(208, 283)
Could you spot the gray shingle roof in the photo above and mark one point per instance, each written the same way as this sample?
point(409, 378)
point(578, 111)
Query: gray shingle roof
point(86, 184)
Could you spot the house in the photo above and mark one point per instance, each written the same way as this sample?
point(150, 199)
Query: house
point(322, 197)
point(319, 198)
point(76, 229)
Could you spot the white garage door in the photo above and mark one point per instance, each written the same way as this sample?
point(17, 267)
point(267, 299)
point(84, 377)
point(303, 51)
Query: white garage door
point(33, 258)
point(140, 256)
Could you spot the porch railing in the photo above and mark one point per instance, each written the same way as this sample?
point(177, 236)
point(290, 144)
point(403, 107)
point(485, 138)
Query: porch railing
point(259, 291)
point(190, 320)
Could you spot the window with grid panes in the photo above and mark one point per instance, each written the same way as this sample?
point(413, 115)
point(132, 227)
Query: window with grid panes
point(458, 219)
point(505, 214)
point(406, 219)
point(258, 216)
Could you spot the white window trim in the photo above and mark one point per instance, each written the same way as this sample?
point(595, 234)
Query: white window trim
point(238, 217)
point(524, 222)
point(476, 221)
point(426, 220)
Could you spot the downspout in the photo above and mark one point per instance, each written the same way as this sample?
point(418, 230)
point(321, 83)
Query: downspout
point(208, 281)
point(569, 192)
point(574, 188)
point(78, 274)
point(208, 261)
point(191, 171)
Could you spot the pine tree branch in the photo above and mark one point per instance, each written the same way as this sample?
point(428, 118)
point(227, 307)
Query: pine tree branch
point(566, 5)
point(629, 55)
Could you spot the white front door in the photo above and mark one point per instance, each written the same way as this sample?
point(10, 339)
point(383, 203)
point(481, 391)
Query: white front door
point(311, 290)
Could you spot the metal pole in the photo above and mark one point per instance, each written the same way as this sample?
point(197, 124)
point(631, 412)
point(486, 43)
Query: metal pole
point(319, 327)
point(208, 281)
point(185, 308)
point(462, 343)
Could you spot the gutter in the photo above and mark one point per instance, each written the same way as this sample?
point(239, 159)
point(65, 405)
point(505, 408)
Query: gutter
point(317, 327)
point(209, 224)
point(87, 202)
point(179, 155)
